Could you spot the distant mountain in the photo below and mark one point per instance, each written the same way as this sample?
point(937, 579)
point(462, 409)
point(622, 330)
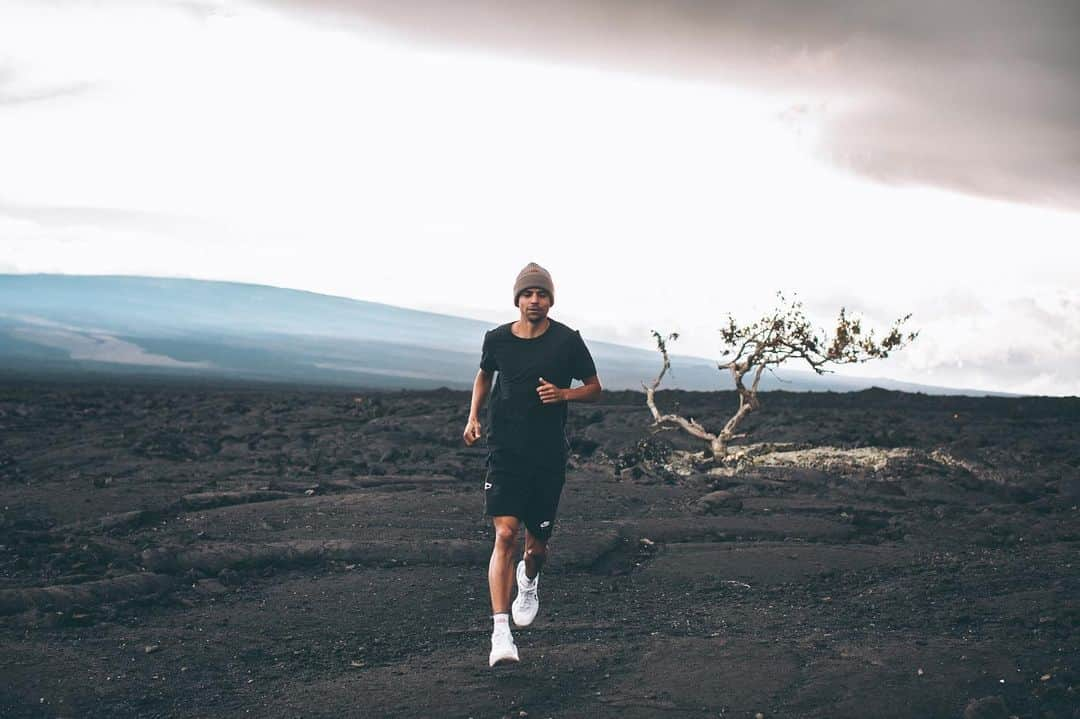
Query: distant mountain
point(229, 330)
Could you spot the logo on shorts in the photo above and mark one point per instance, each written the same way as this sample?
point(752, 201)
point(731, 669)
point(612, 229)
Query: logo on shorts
point(487, 485)
point(545, 525)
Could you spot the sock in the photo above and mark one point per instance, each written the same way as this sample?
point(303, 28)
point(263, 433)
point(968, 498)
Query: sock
point(502, 622)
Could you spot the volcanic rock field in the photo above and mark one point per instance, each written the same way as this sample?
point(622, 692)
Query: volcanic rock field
point(198, 550)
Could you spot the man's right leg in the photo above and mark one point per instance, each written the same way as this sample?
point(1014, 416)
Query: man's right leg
point(500, 581)
point(501, 565)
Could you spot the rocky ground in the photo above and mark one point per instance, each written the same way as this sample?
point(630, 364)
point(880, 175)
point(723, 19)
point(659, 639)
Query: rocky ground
point(172, 550)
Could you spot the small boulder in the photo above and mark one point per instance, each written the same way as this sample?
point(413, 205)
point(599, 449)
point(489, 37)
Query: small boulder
point(210, 587)
point(986, 708)
point(1069, 488)
point(637, 473)
point(393, 455)
point(719, 502)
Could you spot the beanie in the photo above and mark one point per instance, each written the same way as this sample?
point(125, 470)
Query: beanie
point(533, 276)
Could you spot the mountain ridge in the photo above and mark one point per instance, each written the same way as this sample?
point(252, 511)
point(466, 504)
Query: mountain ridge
point(128, 323)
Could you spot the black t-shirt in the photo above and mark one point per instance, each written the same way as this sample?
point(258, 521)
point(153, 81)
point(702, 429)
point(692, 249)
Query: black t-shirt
point(517, 419)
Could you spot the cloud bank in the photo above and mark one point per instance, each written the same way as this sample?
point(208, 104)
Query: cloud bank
point(977, 96)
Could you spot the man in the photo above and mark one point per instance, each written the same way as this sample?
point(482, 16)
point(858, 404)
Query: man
point(536, 359)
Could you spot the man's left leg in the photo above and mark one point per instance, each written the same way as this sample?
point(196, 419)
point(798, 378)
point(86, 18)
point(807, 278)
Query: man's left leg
point(539, 523)
point(527, 602)
point(535, 554)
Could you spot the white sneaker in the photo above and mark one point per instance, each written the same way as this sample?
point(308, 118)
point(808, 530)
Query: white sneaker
point(503, 649)
point(527, 604)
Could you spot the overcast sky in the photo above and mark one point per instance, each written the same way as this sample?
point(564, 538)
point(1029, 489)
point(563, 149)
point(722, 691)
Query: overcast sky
point(669, 162)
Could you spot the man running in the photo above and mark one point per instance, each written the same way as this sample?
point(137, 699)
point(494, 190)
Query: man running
point(536, 359)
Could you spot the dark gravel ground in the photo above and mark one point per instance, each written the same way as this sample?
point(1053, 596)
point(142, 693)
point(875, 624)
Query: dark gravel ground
point(217, 551)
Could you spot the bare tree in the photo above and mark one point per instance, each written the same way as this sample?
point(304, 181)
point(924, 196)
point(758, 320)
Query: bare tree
point(780, 335)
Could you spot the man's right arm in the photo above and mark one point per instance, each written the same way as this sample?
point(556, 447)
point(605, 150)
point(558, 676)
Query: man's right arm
point(481, 389)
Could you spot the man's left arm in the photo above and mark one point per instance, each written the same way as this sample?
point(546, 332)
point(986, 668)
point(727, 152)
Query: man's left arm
point(588, 392)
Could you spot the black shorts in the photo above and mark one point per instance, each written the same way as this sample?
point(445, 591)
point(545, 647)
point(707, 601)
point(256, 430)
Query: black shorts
point(527, 488)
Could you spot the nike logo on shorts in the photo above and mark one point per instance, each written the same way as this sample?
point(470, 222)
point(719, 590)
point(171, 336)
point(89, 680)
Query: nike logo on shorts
point(545, 525)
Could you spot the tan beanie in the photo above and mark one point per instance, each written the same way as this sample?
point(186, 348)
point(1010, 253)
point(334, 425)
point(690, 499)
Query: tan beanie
point(533, 276)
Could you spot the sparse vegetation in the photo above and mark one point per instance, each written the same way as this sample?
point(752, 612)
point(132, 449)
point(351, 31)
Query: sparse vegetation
point(780, 335)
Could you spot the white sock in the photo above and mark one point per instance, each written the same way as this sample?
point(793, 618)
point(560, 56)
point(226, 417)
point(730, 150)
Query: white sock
point(502, 622)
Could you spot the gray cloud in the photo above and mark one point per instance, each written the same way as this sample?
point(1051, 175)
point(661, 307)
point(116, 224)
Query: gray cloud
point(60, 216)
point(1019, 344)
point(974, 95)
point(1034, 346)
point(8, 98)
point(11, 94)
point(1017, 370)
point(202, 10)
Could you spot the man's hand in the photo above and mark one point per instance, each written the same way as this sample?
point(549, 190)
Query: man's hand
point(549, 393)
point(472, 432)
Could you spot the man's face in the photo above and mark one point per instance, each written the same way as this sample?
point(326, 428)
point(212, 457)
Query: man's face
point(534, 304)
